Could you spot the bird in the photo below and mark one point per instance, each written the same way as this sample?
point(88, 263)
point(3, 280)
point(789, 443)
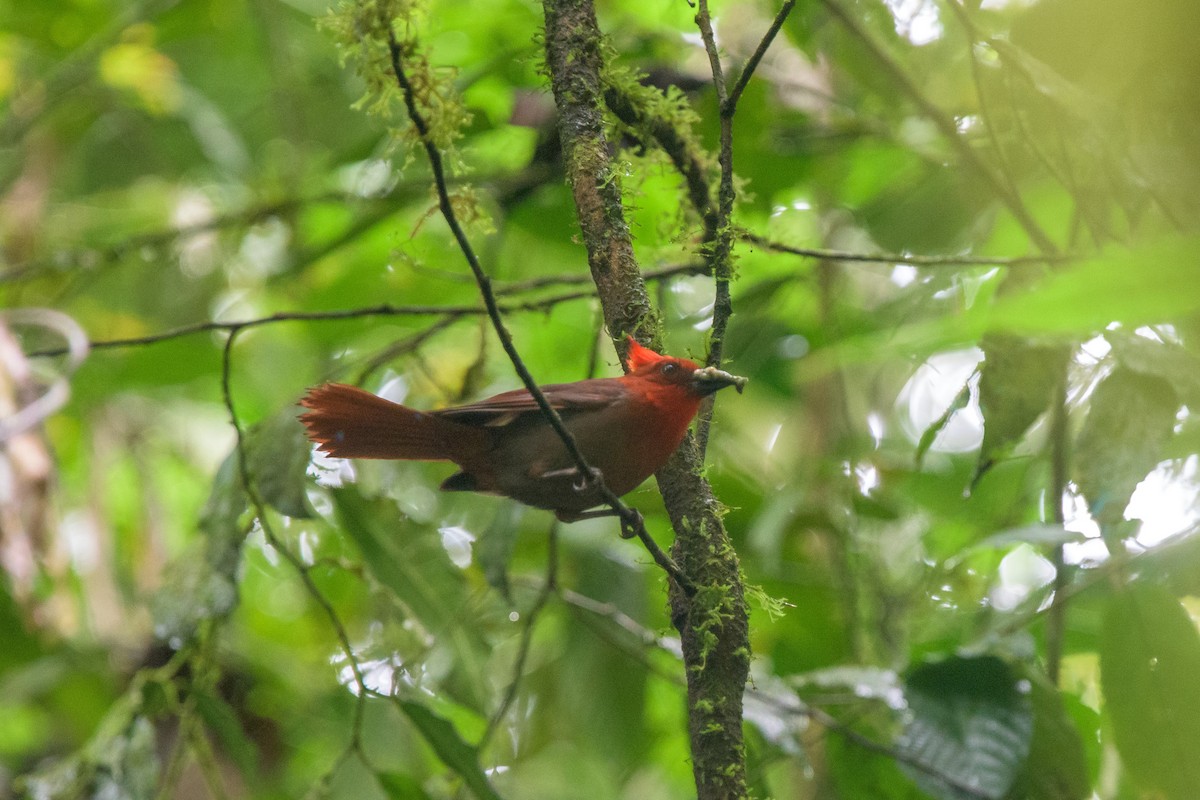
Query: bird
point(625, 427)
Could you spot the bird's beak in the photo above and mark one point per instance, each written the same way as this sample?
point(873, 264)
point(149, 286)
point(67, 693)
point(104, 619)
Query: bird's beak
point(708, 380)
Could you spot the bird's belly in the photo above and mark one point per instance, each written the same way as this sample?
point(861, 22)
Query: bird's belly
point(532, 464)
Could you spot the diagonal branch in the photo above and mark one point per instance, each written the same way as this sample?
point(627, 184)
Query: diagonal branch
point(631, 519)
point(757, 56)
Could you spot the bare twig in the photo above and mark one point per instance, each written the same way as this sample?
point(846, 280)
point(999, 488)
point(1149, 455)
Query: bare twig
point(757, 56)
point(719, 238)
point(902, 258)
point(385, 310)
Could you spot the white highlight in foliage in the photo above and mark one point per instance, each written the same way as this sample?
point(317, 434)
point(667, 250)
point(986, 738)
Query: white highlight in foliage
point(916, 20)
point(456, 540)
point(931, 390)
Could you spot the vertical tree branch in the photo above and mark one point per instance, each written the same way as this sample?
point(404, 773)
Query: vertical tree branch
point(712, 623)
point(719, 243)
point(1056, 621)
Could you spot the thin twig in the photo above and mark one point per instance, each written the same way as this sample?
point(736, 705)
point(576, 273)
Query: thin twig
point(92, 257)
point(243, 462)
point(1056, 615)
point(752, 64)
point(718, 243)
point(575, 278)
point(385, 310)
point(630, 518)
point(408, 344)
point(903, 258)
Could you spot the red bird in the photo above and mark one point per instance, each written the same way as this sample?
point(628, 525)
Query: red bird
point(626, 427)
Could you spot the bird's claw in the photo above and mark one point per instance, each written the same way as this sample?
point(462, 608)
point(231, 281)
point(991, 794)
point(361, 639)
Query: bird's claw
point(631, 524)
point(584, 482)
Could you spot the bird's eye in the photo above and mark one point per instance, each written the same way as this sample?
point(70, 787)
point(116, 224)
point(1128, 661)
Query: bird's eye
point(669, 369)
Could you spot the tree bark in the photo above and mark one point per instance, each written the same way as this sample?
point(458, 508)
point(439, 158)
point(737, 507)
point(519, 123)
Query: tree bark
point(712, 622)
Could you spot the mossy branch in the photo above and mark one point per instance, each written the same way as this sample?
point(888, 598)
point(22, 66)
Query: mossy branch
point(712, 623)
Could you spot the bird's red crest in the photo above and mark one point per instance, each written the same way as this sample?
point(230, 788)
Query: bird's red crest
point(640, 356)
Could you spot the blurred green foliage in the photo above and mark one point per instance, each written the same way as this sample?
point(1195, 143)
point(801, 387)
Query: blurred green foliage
point(346, 631)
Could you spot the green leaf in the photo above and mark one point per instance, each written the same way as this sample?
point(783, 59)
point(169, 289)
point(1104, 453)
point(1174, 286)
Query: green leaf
point(1057, 767)
point(277, 455)
point(201, 583)
point(401, 787)
point(455, 753)
point(1016, 383)
point(412, 564)
point(970, 729)
point(1163, 359)
point(495, 547)
point(1038, 533)
point(1149, 663)
point(1131, 419)
point(222, 720)
point(930, 434)
point(1155, 283)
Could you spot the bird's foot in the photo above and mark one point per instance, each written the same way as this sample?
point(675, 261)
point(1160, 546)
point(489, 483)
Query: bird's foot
point(594, 478)
point(631, 523)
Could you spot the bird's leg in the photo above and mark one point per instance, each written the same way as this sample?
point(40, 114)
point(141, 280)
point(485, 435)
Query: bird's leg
point(576, 516)
point(631, 520)
point(578, 482)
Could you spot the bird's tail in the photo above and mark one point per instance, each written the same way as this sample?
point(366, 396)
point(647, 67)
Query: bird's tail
point(348, 422)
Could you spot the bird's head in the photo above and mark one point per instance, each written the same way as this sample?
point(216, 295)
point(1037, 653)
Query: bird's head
point(698, 381)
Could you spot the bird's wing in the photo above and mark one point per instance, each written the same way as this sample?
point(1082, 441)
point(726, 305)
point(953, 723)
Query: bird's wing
point(564, 397)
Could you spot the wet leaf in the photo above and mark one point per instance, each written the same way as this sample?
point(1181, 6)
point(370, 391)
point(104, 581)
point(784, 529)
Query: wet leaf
point(495, 547)
point(454, 752)
point(1016, 385)
point(410, 561)
point(1149, 660)
point(970, 728)
point(1130, 420)
point(1057, 768)
point(277, 455)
